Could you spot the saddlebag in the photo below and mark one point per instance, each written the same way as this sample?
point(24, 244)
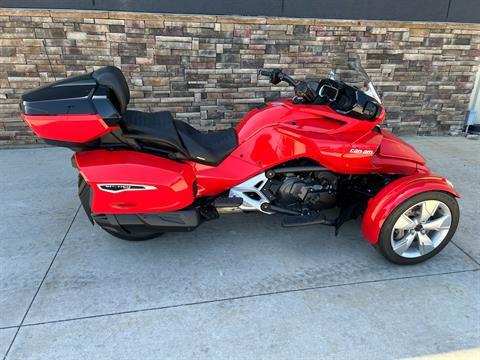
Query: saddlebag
point(129, 182)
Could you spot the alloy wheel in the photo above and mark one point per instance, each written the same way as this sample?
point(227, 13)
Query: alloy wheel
point(421, 228)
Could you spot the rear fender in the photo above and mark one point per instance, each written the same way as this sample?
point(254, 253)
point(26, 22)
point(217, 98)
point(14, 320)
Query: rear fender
point(126, 182)
point(392, 195)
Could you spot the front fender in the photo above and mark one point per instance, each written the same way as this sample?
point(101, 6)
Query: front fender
point(381, 205)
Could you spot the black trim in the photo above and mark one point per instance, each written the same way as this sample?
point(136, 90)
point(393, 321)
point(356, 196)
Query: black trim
point(94, 144)
point(85, 195)
point(182, 220)
point(294, 169)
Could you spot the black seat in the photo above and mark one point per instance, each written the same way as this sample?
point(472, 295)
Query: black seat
point(156, 127)
point(159, 129)
point(210, 147)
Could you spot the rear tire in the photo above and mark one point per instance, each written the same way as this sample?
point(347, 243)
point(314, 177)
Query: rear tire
point(137, 234)
point(421, 231)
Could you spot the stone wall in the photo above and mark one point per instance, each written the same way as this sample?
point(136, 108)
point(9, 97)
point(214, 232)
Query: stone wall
point(203, 68)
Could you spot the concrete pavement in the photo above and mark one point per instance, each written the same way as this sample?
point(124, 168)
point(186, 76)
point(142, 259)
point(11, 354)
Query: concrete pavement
point(239, 287)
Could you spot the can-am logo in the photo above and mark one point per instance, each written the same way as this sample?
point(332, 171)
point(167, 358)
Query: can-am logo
point(117, 188)
point(361, 152)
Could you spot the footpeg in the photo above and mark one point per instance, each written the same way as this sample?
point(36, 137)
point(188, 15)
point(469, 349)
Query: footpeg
point(305, 220)
point(228, 202)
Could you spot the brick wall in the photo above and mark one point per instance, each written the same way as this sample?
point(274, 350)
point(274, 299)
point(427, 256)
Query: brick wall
point(203, 68)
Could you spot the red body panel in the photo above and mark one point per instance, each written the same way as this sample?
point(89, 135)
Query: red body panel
point(279, 132)
point(395, 156)
point(173, 181)
point(392, 195)
point(69, 128)
point(283, 131)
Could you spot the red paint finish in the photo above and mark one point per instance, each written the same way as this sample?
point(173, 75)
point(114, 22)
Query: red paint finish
point(173, 181)
point(284, 131)
point(392, 195)
point(322, 118)
point(393, 147)
point(395, 156)
point(75, 128)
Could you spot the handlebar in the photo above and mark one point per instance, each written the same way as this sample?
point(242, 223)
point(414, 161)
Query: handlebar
point(264, 72)
point(276, 76)
point(341, 97)
point(301, 88)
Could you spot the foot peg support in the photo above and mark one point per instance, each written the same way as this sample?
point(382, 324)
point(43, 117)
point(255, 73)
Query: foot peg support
point(305, 220)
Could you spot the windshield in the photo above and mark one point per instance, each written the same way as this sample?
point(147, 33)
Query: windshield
point(356, 65)
point(353, 73)
point(349, 69)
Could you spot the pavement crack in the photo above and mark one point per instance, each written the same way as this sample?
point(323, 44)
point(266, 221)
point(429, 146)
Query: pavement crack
point(245, 297)
point(466, 253)
point(41, 283)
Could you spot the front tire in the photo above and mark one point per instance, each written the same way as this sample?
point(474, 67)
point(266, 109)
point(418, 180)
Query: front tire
point(419, 228)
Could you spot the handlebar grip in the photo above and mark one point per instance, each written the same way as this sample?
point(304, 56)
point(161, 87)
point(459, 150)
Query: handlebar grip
point(265, 72)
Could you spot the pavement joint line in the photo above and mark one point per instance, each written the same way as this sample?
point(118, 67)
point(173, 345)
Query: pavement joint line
point(9, 327)
point(466, 253)
point(41, 282)
point(245, 297)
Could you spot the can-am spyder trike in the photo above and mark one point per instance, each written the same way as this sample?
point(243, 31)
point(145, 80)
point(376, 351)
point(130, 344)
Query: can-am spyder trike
point(144, 173)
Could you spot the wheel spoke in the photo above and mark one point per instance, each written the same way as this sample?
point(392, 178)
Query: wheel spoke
point(442, 223)
point(425, 244)
point(404, 223)
point(404, 244)
point(428, 208)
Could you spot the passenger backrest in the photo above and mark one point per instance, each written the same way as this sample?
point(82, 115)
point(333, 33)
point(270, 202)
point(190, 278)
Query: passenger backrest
point(112, 77)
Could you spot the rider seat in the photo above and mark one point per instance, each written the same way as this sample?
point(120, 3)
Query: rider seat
point(159, 129)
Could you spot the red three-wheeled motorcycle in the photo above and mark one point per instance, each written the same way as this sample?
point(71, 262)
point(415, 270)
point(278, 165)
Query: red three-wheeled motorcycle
point(143, 174)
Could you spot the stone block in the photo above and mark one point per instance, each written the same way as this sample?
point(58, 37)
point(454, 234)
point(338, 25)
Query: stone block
point(418, 57)
point(94, 28)
point(7, 51)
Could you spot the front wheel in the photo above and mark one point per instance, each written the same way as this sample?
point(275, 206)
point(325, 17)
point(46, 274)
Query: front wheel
point(419, 228)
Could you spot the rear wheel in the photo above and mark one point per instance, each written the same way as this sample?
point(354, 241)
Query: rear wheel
point(419, 228)
point(132, 234)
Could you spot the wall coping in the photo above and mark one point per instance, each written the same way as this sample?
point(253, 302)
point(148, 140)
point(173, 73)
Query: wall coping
point(125, 15)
